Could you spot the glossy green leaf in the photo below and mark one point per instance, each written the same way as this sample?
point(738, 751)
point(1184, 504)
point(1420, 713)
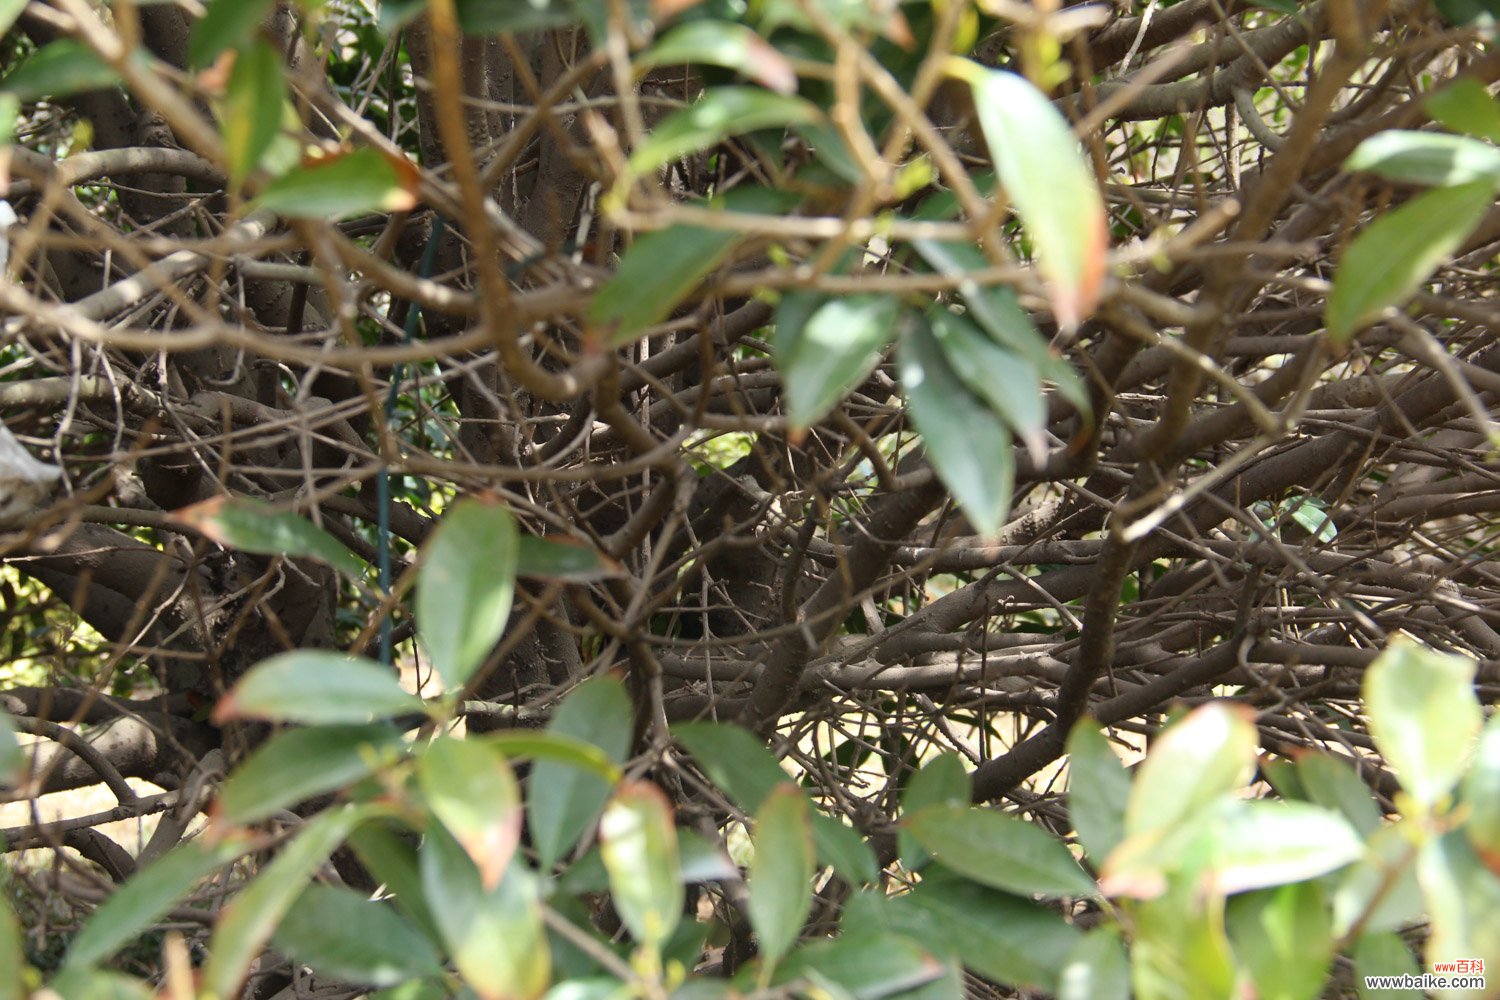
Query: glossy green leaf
point(470, 789)
point(1465, 105)
point(224, 25)
point(639, 846)
point(1311, 515)
point(467, 583)
point(662, 268)
point(343, 933)
point(1283, 938)
point(1098, 790)
point(1481, 790)
point(1379, 892)
point(12, 757)
point(336, 187)
point(495, 939)
point(564, 558)
point(1202, 758)
point(1097, 968)
point(825, 346)
point(1424, 717)
point(1384, 954)
point(1463, 903)
point(941, 781)
point(253, 526)
point(1000, 851)
point(564, 801)
point(252, 108)
point(316, 686)
point(247, 922)
point(727, 44)
point(968, 446)
point(781, 872)
point(147, 896)
point(1002, 937)
point(1007, 382)
point(1179, 950)
point(864, 966)
point(1332, 783)
point(59, 69)
point(1431, 158)
point(1264, 842)
point(1049, 183)
point(721, 113)
point(296, 765)
point(739, 764)
point(1392, 257)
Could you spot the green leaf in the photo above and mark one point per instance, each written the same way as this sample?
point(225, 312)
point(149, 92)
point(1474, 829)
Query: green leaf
point(1424, 717)
point(1001, 378)
point(471, 790)
point(781, 872)
point(316, 686)
point(344, 934)
point(1097, 968)
point(96, 984)
point(941, 781)
point(1432, 158)
point(967, 444)
point(1392, 257)
point(247, 922)
point(254, 526)
point(1311, 514)
point(825, 346)
point(1179, 950)
point(1049, 183)
point(59, 69)
point(12, 958)
point(563, 558)
point(1466, 106)
point(565, 801)
point(736, 761)
point(12, 757)
point(1463, 901)
point(336, 187)
point(495, 939)
point(570, 751)
point(1202, 758)
point(467, 583)
point(1264, 842)
point(225, 25)
point(251, 117)
point(296, 765)
point(722, 112)
point(9, 11)
point(1282, 937)
point(1482, 14)
point(724, 43)
point(864, 966)
point(1383, 954)
point(639, 845)
point(1002, 937)
point(999, 851)
point(147, 896)
point(1332, 782)
point(493, 17)
point(660, 269)
point(391, 858)
point(1379, 892)
point(1481, 791)
point(1098, 790)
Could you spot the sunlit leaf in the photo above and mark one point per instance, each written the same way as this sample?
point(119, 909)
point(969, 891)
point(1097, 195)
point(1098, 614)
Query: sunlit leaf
point(1463, 903)
point(1205, 756)
point(1481, 790)
point(1392, 257)
point(781, 873)
point(639, 845)
point(254, 526)
point(301, 763)
point(12, 757)
point(1379, 892)
point(316, 686)
point(1466, 106)
point(967, 444)
point(1263, 842)
point(335, 187)
point(466, 586)
point(1424, 716)
point(1282, 937)
point(825, 346)
point(1048, 182)
point(721, 113)
point(343, 933)
point(1433, 158)
point(251, 117)
point(59, 69)
point(724, 43)
point(471, 790)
